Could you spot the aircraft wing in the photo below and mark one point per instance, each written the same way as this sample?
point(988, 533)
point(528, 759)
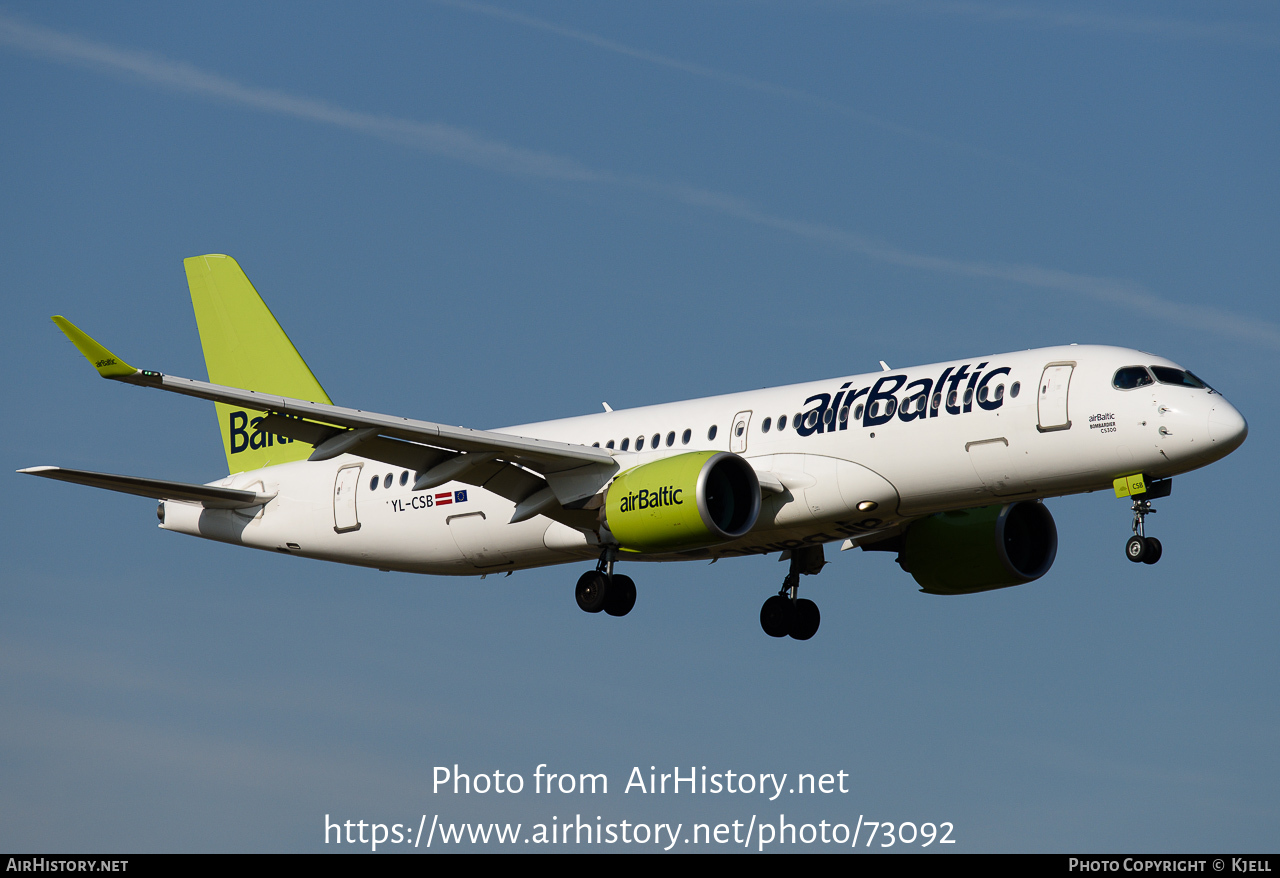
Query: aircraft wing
point(573, 472)
point(157, 489)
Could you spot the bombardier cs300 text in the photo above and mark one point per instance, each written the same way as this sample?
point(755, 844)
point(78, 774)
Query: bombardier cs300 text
point(945, 464)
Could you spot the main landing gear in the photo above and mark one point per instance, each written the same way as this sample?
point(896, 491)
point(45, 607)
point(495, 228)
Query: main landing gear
point(1141, 547)
point(602, 589)
point(784, 614)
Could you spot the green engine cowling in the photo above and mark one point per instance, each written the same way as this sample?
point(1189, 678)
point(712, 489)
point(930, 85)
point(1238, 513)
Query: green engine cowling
point(688, 501)
point(980, 549)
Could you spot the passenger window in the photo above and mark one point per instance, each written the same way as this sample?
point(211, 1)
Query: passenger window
point(688, 434)
point(828, 416)
point(782, 422)
point(999, 392)
point(1132, 376)
point(653, 443)
point(844, 414)
point(386, 483)
point(609, 444)
point(937, 400)
point(404, 478)
point(1013, 391)
point(373, 484)
point(711, 434)
point(765, 425)
point(626, 443)
point(639, 443)
point(671, 438)
point(811, 419)
point(968, 396)
point(951, 399)
point(857, 413)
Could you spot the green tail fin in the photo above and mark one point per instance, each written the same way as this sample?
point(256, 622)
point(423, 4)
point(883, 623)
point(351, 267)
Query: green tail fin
point(245, 347)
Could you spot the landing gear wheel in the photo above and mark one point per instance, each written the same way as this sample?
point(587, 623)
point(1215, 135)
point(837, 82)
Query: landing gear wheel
point(1154, 551)
point(621, 595)
point(806, 621)
point(592, 591)
point(777, 615)
point(1135, 550)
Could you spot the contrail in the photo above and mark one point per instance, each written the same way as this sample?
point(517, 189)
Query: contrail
point(1222, 32)
point(733, 79)
point(474, 149)
point(1112, 291)
point(449, 141)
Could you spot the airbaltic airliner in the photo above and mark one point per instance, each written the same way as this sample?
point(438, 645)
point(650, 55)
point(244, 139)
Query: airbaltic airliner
point(945, 465)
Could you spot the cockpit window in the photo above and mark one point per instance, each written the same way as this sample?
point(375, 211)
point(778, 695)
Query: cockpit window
point(1130, 377)
point(1180, 377)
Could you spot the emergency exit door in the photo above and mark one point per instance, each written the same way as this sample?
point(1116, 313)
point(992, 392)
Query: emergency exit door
point(344, 499)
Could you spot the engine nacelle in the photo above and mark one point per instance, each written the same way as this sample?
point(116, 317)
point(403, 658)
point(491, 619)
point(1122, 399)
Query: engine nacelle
point(980, 549)
point(688, 501)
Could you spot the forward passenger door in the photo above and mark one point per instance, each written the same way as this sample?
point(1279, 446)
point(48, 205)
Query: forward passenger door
point(1052, 401)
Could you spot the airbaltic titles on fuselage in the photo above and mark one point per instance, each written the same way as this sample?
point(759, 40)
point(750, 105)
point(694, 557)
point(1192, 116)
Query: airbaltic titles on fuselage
point(922, 398)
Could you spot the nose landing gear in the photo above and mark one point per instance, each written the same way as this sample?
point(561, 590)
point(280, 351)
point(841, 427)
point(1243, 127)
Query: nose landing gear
point(784, 614)
point(602, 589)
point(1141, 547)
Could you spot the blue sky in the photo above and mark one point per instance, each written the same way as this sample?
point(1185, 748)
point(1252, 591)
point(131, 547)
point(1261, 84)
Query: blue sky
point(493, 214)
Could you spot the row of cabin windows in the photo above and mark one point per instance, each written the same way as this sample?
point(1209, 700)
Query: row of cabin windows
point(387, 480)
point(915, 403)
point(655, 441)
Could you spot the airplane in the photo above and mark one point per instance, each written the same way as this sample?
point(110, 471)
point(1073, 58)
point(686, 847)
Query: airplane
point(947, 465)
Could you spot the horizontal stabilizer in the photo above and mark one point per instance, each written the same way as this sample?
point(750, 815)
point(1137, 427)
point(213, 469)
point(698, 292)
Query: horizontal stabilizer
point(157, 489)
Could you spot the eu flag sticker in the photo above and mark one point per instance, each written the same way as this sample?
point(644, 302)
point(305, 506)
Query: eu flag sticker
point(459, 496)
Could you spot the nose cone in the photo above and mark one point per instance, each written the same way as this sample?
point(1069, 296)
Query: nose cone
point(1227, 427)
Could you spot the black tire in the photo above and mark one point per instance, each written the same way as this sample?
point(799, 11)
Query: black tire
point(1154, 551)
point(776, 616)
point(806, 621)
point(621, 597)
point(592, 591)
point(1136, 549)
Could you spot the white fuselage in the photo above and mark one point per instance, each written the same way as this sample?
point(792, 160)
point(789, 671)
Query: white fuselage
point(876, 440)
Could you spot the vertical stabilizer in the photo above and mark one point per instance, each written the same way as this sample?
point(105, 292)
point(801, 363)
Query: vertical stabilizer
point(245, 347)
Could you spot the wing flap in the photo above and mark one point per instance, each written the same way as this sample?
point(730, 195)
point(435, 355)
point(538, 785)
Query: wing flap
point(157, 489)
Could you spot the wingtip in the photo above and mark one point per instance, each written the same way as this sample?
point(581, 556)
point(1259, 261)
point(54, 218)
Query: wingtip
point(107, 363)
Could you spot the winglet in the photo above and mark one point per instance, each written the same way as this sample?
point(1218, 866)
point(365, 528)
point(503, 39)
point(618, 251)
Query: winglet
point(107, 363)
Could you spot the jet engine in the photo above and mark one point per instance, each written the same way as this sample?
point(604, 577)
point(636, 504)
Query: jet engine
point(980, 549)
point(688, 501)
